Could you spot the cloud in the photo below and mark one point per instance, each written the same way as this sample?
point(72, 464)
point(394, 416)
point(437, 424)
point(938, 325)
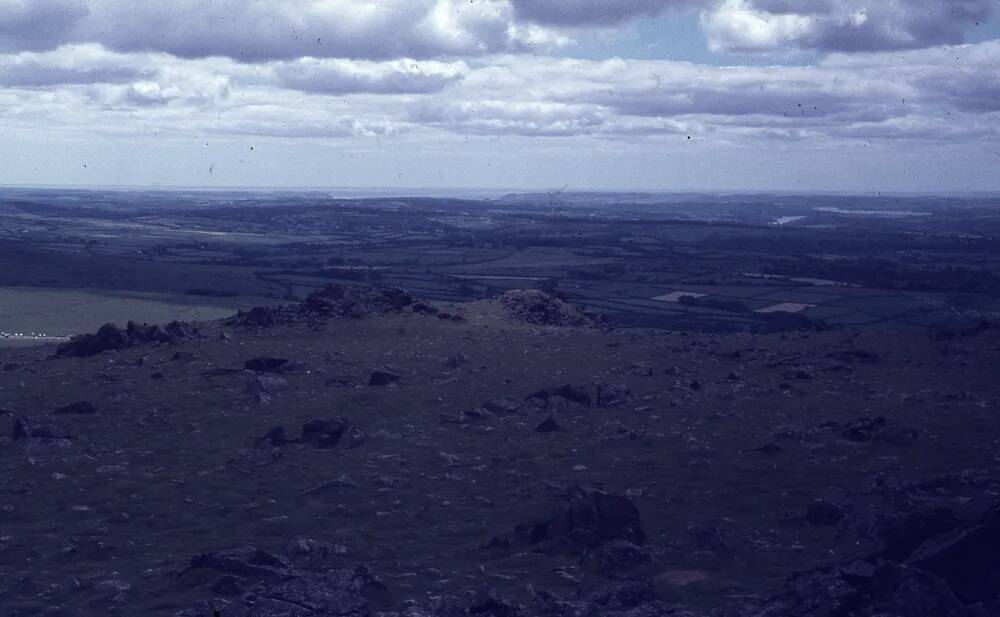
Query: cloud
point(886, 95)
point(286, 30)
point(333, 76)
point(591, 12)
point(839, 25)
point(33, 25)
point(505, 117)
point(943, 94)
point(275, 29)
point(87, 64)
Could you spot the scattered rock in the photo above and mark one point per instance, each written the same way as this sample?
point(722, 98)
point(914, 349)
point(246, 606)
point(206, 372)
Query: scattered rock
point(548, 425)
point(249, 563)
point(967, 559)
point(355, 438)
point(79, 408)
point(227, 585)
point(334, 301)
point(283, 591)
point(260, 317)
point(456, 360)
point(110, 337)
point(325, 433)
point(330, 485)
point(315, 553)
point(569, 392)
point(885, 588)
point(44, 433)
point(879, 430)
point(20, 429)
point(496, 543)
point(896, 436)
point(931, 566)
point(850, 355)
point(502, 406)
point(822, 512)
point(624, 596)
point(397, 298)
point(587, 519)
point(538, 308)
point(423, 308)
point(617, 557)
point(489, 604)
point(613, 395)
point(266, 365)
point(354, 301)
point(275, 438)
point(640, 370)
point(221, 372)
point(799, 374)
point(704, 538)
point(901, 533)
point(383, 378)
point(863, 429)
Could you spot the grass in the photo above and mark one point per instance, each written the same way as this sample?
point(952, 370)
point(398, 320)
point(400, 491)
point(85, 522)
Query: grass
point(58, 312)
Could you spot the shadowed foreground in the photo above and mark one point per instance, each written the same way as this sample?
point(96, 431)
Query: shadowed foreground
point(361, 454)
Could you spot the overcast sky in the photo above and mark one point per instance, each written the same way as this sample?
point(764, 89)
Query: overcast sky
point(852, 95)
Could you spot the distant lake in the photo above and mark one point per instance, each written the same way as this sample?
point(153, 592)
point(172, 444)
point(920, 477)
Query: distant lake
point(785, 220)
point(886, 213)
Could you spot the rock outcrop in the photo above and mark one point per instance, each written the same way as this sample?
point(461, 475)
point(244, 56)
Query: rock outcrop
point(110, 337)
point(538, 308)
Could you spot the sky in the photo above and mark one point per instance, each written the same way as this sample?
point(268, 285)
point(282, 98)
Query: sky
point(716, 95)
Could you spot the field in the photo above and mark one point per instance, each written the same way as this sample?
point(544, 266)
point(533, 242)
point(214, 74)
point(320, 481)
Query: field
point(32, 314)
point(759, 262)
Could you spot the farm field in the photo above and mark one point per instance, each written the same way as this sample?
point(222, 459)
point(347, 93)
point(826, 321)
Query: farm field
point(705, 262)
point(30, 315)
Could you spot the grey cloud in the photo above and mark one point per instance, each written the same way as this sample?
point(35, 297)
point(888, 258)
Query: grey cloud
point(81, 65)
point(742, 100)
point(40, 75)
point(840, 25)
point(275, 29)
point(38, 24)
point(966, 90)
point(590, 12)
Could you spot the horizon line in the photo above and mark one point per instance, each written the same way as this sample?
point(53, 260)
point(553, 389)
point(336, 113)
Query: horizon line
point(428, 191)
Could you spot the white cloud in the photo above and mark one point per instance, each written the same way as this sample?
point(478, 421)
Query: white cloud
point(336, 76)
point(941, 94)
point(839, 25)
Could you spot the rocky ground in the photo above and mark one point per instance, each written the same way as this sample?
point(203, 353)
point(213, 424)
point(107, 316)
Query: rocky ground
point(367, 454)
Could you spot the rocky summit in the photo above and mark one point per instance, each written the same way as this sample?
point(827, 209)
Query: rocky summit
point(355, 456)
